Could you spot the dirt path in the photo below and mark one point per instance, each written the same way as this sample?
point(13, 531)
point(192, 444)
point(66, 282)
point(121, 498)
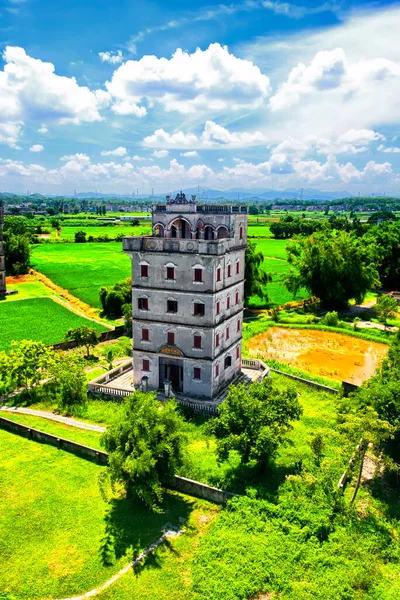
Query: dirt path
point(169, 532)
point(53, 417)
point(71, 302)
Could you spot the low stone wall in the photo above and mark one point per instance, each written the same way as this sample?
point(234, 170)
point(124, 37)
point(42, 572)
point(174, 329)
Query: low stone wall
point(97, 456)
point(177, 483)
point(199, 490)
point(318, 386)
point(111, 334)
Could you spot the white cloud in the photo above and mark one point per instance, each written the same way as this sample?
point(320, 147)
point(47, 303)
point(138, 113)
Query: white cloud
point(210, 80)
point(79, 157)
point(138, 158)
point(213, 136)
point(114, 58)
point(190, 154)
point(160, 153)
point(30, 89)
point(221, 160)
point(43, 129)
point(295, 11)
point(388, 150)
point(9, 133)
point(36, 148)
point(120, 151)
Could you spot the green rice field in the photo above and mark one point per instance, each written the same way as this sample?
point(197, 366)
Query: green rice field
point(82, 268)
point(38, 319)
point(68, 233)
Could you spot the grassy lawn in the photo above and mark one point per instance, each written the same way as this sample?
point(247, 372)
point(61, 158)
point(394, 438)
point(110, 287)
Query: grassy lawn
point(88, 438)
point(39, 319)
point(83, 268)
point(68, 232)
point(28, 289)
point(53, 522)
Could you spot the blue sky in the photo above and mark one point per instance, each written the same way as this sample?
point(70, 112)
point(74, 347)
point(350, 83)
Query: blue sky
point(261, 94)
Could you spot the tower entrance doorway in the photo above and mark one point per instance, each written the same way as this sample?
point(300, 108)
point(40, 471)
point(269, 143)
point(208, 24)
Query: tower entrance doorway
point(171, 370)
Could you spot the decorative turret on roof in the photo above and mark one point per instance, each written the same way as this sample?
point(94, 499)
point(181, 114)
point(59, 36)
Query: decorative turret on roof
point(180, 198)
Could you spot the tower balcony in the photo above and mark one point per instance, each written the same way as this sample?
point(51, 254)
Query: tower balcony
point(192, 246)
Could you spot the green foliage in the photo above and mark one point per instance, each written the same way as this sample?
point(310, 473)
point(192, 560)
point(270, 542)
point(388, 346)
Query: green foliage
point(84, 336)
point(71, 381)
point(386, 308)
point(317, 446)
point(146, 445)
point(255, 277)
point(113, 299)
point(16, 245)
point(80, 237)
point(25, 365)
point(254, 420)
point(331, 319)
point(384, 241)
point(334, 266)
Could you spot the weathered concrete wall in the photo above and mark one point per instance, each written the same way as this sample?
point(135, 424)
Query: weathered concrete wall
point(97, 456)
point(181, 484)
point(314, 384)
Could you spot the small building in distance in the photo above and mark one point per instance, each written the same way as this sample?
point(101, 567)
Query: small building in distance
point(187, 297)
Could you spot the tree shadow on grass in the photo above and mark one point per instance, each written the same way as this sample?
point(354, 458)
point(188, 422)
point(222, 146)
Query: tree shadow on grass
point(130, 526)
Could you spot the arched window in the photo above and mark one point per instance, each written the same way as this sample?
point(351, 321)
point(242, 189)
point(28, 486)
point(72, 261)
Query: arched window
point(180, 228)
point(159, 230)
point(208, 232)
point(222, 232)
point(198, 273)
point(144, 268)
point(170, 273)
point(143, 302)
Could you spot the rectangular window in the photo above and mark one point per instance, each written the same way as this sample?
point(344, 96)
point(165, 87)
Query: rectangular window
point(198, 309)
point(198, 275)
point(171, 338)
point(237, 267)
point(143, 303)
point(219, 274)
point(238, 326)
point(218, 307)
point(229, 270)
point(172, 306)
point(228, 303)
point(197, 341)
point(146, 364)
point(237, 352)
point(227, 333)
point(241, 233)
point(144, 270)
point(216, 370)
point(217, 340)
point(145, 335)
point(237, 297)
point(196, 373)
point(170, 272)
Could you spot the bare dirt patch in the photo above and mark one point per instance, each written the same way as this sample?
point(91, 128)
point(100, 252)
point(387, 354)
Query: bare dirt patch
point(333, 355)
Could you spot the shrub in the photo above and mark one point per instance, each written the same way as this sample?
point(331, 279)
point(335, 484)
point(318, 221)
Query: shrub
point(331, 319)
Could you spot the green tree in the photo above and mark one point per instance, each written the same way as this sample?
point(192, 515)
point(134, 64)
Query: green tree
point(113, 299)
point(386, 308)
point(146, 446)
point(29, 362)
point(255, 277)
point(254, 420)
point(80, 237)
point(335, 266)
point(317, 445)
point(69, 380)
point(84, 336)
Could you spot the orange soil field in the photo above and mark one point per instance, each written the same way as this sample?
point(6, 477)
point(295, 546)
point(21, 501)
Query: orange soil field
point(333, 355)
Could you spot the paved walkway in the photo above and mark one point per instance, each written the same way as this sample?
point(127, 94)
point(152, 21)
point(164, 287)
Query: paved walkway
point(53, 417)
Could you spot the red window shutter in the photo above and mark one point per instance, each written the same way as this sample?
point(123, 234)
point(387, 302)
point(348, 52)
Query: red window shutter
point(237, 267)
point(229, 270)
point(241, 232)
point(198, 274)
point(144, 270)
point(238, 326)
point(196, 373)
point(217, 340)
point(218, 308)
point(146, 365)
point(145, 335)
point(216, 370)
point(170, 273)
point(227, 333)
point(237, 297)
point(171, 338)
point(237, 352)
point(228, 303)
point(218, 274)
point(197, 341)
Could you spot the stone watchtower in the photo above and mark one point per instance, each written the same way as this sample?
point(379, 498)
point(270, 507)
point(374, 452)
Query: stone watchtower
point(187, 297)
point(3, 289)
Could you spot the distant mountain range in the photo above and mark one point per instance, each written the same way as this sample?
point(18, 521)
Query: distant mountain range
point(205, 193)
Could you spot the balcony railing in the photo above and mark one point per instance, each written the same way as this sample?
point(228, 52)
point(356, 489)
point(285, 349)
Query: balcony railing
point(159, 244)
